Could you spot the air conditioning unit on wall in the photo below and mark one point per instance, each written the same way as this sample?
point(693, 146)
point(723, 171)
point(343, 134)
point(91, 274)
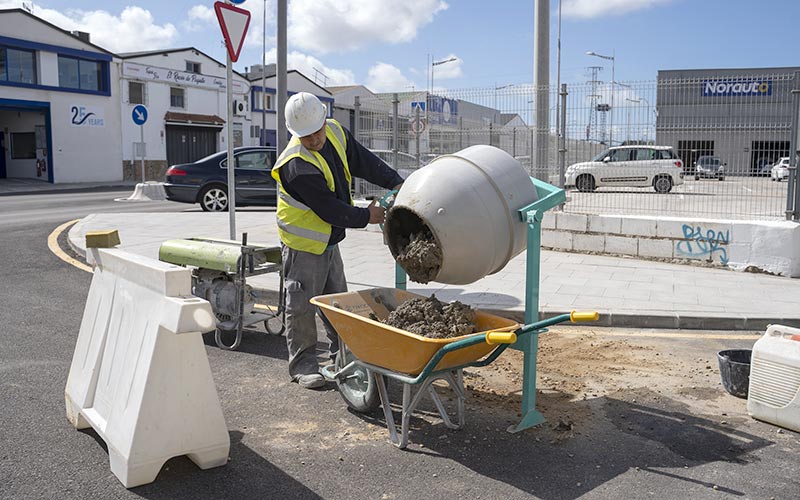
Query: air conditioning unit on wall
point(239, 108)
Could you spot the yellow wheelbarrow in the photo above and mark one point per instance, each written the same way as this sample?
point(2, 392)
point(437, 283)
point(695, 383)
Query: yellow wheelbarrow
point(370, 350)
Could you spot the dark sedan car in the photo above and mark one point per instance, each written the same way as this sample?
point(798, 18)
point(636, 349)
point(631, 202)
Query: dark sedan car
point(206, 180)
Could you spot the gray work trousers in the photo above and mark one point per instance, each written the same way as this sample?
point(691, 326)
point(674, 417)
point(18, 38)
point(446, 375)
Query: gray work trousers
point(305, 276)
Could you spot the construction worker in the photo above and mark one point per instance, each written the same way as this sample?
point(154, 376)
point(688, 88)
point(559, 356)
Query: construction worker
point(315, 206)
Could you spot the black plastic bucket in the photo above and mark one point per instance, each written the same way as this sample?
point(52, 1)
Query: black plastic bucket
point(734, 367)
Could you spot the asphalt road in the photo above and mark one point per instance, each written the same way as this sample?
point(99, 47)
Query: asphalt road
point(287, 442)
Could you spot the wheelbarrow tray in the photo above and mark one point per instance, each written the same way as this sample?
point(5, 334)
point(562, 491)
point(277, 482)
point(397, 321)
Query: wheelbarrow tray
point(392, 348)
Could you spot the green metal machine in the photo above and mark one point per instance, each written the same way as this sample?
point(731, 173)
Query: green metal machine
point(220, 269)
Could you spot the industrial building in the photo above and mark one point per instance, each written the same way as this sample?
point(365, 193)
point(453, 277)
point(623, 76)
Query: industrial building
point(743, 116)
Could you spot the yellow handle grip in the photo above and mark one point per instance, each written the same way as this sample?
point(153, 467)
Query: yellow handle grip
point(493, 338)
point(576, 316)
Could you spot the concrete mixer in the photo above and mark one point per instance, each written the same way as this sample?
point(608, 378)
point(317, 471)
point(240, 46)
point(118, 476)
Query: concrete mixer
point(456, 220)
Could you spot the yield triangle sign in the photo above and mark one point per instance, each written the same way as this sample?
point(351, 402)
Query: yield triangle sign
point(234, 22)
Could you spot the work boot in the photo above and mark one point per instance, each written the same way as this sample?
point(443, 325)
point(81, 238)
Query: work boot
point(310, 380)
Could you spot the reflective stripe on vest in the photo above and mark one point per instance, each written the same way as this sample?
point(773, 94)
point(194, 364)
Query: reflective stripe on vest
point(298, 226)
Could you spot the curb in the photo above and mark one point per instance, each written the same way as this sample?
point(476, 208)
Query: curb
point(666, 321)
point(77, 189)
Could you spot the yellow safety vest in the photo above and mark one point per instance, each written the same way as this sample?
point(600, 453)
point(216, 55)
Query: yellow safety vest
point(298, 226)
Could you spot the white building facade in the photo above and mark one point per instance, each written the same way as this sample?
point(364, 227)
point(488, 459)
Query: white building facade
point(264, 113)
point(59, 104)
point(184, 91)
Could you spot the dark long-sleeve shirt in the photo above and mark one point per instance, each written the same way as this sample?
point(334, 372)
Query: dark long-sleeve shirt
point(306, 183)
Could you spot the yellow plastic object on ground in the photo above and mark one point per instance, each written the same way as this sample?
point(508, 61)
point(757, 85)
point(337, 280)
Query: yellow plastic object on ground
point(382, 345)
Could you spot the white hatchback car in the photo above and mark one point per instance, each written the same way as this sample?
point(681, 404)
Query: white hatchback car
point(780, 171)
point(638, 166)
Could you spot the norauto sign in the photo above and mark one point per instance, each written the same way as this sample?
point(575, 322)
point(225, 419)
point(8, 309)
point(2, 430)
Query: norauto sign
point(738, 87)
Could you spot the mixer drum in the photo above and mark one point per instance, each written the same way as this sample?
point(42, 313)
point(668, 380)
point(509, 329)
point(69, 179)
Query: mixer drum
point(467, 202)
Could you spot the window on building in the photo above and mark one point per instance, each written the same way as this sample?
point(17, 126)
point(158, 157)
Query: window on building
point(68, 73)
point(269, 101)
point(91, 75)
point(74, 73)
point(23, 145)
point(176, 97)
point(255, 131)
point(136, 92)
point(17, 65)
point(192, 67)
point(238, 139)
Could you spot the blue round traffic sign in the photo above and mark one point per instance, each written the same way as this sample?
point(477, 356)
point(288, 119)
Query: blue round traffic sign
point(139, 114)
point(237, 2)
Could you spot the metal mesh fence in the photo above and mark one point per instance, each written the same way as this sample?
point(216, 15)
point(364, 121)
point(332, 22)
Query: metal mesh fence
point(741, 123)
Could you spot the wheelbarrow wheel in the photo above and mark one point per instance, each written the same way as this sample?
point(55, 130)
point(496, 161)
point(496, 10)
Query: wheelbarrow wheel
point(357, 387)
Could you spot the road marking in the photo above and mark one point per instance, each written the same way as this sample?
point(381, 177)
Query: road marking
point(52, 243)
point(664, 335)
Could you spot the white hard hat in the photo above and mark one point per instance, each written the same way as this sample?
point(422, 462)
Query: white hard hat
point(305, 114)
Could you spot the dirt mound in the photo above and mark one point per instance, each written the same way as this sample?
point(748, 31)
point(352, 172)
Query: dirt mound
point(434, 319)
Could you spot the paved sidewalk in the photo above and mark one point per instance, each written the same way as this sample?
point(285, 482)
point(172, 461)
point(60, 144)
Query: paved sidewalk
point(10, 187)
point(627, 292)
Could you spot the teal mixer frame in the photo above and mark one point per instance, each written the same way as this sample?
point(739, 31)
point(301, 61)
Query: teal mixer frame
point(549, 197)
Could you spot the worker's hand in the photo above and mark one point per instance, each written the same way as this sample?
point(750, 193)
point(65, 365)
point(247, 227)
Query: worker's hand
point(377, 214)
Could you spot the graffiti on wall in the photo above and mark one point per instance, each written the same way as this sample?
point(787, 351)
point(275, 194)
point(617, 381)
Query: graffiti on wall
point(700, 243)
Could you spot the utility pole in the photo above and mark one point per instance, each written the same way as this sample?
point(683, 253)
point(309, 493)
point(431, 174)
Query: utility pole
point(281, 90)
point(262, 136)
point(594, 82)
point(541, 82)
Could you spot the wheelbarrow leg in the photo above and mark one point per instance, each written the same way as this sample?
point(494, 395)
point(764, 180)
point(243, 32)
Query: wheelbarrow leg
point(455, 381)
point(387, 411)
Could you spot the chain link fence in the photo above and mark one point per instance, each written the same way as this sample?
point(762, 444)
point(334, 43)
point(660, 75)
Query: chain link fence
point(740, 122)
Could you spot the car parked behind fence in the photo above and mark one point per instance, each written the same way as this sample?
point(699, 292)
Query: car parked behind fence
point(780, 170)
point(206, 180)
point(638, 166)
point(709, 167)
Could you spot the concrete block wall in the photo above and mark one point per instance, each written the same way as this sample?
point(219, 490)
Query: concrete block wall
point(770, 246)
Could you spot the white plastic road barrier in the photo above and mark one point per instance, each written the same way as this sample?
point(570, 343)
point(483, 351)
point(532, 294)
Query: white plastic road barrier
point(140, 376)
point(147, 191)
point(774, 393)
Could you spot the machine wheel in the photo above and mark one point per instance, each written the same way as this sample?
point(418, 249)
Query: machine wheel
point(721, 178)
point(585, 183)
point(278, 330)
point(358, 388)
point(214, 198)
point(697, 177)
point(663, 184)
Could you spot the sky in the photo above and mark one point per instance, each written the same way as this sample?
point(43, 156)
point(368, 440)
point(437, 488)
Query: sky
point(388, 45)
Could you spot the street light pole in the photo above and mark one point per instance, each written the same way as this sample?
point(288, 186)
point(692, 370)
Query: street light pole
point(628, 118)
point(613, 83)
point(496, 88)
point(437, 63)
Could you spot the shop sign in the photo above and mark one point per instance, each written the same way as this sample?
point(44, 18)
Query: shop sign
point(166, 75)
point(737, 87)
point(85, 116)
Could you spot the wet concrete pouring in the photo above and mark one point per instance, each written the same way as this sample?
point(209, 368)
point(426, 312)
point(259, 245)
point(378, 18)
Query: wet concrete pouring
point(420, 256)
